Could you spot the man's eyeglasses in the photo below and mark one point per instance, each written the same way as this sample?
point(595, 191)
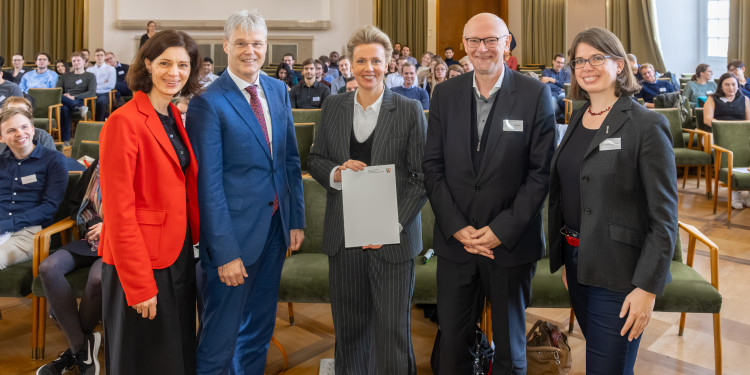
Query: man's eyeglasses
point(595, 60)
point(489, 42)
point(243, 45)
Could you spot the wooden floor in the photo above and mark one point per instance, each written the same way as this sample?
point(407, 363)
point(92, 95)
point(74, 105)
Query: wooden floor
point(661, 352)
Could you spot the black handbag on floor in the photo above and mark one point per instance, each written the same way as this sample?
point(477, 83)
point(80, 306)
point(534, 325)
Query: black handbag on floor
point(481, 351)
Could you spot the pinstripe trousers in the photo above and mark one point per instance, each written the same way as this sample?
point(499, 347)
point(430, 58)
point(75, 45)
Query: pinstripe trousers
point(371, 303)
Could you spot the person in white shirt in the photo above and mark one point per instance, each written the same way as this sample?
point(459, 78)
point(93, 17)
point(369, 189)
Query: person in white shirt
point(106, 78)
point(207, 72)
point(395, 79)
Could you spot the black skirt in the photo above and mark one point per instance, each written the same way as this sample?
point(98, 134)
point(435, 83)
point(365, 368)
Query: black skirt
point(165, 345)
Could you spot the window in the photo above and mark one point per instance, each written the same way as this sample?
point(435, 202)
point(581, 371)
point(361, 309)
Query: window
point(717, 28)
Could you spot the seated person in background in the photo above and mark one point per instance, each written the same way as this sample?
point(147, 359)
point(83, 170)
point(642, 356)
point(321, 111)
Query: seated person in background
point(510, 60)
point(633, 62)
point(650, 86)
point(329, 74)
point(406, 52)
point(8, 89)
point(556, 77)
point(181, 103)
point(284, 73)
point(333, 67)
point(439, 75)
point(737, 68)
point(61, 67)
point(308, 93)
point(121, 71)
point(351, 84)
point(86, 62)
point(409, 89)
point(426, 60)
point(32, 186)
point(41, 78)
point(207, 72)
point(289, 60)
point(320, 71)
point(449, 57)
point(466, 64)
point(395, 79)
point(77, 322)
point(701, 84)
point(455, 70)
point(106, 78)
point(76, 85)
point(339, 84)
point(18, 71)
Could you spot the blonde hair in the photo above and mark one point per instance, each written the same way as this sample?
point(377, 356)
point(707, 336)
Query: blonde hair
point(367, 35)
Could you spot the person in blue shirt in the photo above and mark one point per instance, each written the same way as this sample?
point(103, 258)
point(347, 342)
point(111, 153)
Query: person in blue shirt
point(408, 89)
point(41, 78)
point(32, 186)
point(737, 68)
point(556, 77)
point(650, 86)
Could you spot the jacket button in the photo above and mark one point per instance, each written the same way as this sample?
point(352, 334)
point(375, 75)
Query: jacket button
point(587, 211)
point(477, 188)
point(474, 220)
point(586, 178)
point(270, 203)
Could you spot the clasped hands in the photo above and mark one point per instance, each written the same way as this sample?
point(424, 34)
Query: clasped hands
point(478, 241)
point(356, 166)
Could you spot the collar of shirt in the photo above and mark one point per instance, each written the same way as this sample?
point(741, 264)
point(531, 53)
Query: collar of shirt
point(410, 87)
point(372, 107)
point(242, 84)
point(36, 153)
point(497, 86)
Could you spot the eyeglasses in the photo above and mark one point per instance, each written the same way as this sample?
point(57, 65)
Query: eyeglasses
point(243, 45)
point(489, 42)
point(595, 60)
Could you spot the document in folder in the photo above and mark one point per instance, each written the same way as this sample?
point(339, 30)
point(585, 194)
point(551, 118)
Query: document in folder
point(370, 206)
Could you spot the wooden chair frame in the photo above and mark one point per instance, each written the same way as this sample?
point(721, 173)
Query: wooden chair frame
point(704, 137)
point(720, 151)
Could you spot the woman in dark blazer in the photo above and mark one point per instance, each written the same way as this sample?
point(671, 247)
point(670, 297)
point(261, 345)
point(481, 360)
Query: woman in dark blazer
point(612, 204)
point(148, 183)
point(371, 286)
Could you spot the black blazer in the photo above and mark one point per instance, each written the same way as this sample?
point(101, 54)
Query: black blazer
point(628, 202)
point(508, 191)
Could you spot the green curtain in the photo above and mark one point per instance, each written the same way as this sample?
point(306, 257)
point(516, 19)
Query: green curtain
point(31, 26)
point(544, 23)
point(739, 29)
point(634, 22)
point(405, 21)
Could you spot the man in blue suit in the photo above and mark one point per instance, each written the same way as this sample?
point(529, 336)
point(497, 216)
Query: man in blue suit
point(250, 199)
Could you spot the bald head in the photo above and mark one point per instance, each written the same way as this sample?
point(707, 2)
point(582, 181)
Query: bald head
point(486, 38)
point(485, 21)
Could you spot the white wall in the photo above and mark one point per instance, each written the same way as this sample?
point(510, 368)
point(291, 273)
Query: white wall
point(345, 16)
point(680, 34)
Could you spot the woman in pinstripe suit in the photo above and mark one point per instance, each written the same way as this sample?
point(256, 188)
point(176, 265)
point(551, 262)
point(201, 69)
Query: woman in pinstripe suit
point(371, 287)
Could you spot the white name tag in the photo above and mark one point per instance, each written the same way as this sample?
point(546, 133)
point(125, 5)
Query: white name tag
point(662, 89)
point(28, 179)
point(610, 144)
point(121, 72)
point(78, 82)
point(316, 98)
point(513, 125)
point(709, 92)
point(2, 98)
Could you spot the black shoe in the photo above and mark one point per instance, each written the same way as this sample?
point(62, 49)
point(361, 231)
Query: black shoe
point(88, 359)
point(64, 363)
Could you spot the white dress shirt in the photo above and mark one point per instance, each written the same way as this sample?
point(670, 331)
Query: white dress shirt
point(242, 84)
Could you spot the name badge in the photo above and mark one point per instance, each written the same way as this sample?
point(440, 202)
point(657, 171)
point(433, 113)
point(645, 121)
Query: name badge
point(709, 92)
point(2, 98)
point(121, 72)
point(28, 179)
point(610, 144)
point(78, 82)
point(316, 98)
point(662, 89)
point(513, 125)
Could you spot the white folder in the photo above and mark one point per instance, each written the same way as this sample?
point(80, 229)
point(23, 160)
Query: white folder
point(370, 206)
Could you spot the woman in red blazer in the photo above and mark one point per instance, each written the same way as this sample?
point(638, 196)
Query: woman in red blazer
point(148, 183)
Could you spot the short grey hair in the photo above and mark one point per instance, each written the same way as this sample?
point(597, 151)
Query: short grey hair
point(247, 21)
point(366, 35)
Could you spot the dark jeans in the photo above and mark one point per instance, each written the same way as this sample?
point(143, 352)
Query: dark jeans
point(102, 106)
point(597, 311)
point(68, 106)
point(559, 104)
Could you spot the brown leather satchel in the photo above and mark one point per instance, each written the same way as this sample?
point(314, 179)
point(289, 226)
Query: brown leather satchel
point(547, 350)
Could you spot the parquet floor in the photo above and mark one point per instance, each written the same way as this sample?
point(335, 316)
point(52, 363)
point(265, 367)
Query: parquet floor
point(662, 351)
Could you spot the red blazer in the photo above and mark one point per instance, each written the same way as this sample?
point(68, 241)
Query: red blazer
point(147, 201)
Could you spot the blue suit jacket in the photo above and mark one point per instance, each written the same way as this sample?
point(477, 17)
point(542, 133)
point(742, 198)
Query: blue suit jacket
point(237, 175)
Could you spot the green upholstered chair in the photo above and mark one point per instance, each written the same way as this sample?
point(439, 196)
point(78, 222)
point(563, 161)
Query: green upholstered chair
point(732, 147)
point(307, 115)
point(304, 132)
point(86, 141)
point(16, 280)
point(47, 109)
point(570, 106)
point(687, 157)
point(566, 87)
point(699, 121)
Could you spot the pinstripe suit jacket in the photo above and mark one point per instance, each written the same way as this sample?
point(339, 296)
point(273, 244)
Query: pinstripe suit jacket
point(399, 138)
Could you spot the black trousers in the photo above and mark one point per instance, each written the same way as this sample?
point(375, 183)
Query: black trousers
point(165, 345)
point(462, 288)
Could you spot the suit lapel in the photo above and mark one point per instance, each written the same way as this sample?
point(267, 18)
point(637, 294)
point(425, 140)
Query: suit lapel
point(612, 123)
point(237, 100)
point(383, 126)
point(154, 125)
point(504, 104)
point(346, 122)
point(278, 124)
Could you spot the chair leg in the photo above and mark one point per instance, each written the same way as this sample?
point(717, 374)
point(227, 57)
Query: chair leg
point(572, 321)
point(716, 191)
point(486, 324)
point(698, 180)
point(283, 354)
point(42, 330)
point(291, 313)
point(682, 324)
point(708, 181)
point(38, 307)
point(717, 344)
point(729, 203)
point(685, 171)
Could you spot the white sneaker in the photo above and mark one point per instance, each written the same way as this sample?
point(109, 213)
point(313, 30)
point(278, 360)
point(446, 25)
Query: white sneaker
point(737, 200)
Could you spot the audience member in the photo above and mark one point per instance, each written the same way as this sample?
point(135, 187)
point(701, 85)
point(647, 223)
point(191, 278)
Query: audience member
point(351, 84)
point(737, 68)
point(8, 89)
point(439, 75)
point(3, 73)
point(41, 137)
point(61, 67)
point(41, 78)
point(122, 71)
point(727, 103)
point(406, 52)
point(395, 79)
point(320, 72)
point(333, 66)
point(701, 84)
point(77, 321)
point(409, 89)
point(77, 85)
point(330, 74)
point(345, 68)
point(308, 93)
point(18, 71)
point(207, 72)
point(86, 57)
point(28, 204)
point(150, 31)
point(510, 60)
point(650, 86)
point(449, 57)
point(455, 70)
point(392, 66)
point(181, 102)
point(556, 77)
point(466, 64)
point(106, 78)
point(284, 73)
point(633, 63)
point(289, 60)
point(426, 60)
